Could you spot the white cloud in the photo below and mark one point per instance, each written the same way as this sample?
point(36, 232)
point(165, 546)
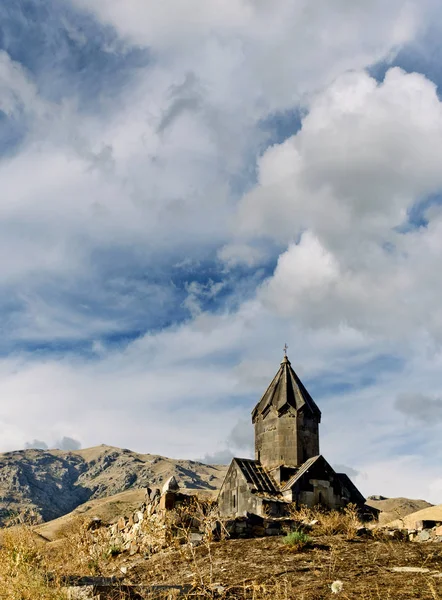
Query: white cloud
point(366, 152)
point(17, 92)
point(268, 54)
point(154, 177)
point(337, 191)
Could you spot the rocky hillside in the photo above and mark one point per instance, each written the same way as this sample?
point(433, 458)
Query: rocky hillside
point(51, 483)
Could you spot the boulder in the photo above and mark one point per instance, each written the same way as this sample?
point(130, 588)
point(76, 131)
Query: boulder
point(423, 536)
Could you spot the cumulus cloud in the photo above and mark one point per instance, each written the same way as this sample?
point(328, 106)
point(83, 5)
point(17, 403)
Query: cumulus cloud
point(365, 153)
point(339, 193)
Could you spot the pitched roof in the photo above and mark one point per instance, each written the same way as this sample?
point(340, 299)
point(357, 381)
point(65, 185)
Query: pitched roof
point(256, 476)
point(286, 389)
point(300, 472)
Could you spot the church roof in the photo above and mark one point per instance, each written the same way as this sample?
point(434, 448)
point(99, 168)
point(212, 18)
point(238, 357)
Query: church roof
point(300, 472)
point(256, 476)
point(286, 389)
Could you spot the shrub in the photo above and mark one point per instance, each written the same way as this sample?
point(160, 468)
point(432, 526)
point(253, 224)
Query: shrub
point(297, 540)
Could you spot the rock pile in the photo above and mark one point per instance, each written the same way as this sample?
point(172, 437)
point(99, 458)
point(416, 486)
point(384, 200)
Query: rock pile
point(423, 531)
point(426, 531)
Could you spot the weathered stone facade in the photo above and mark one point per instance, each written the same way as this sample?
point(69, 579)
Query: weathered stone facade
point(287, 467)
point(286, 421)
point(288, 438)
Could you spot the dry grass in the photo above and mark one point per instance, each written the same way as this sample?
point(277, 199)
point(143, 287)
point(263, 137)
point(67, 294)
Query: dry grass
point(243, 569)
point(345, 522)
point(24, 568)
point(78, 551)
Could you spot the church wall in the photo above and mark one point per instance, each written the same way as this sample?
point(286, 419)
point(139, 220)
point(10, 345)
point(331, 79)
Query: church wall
point(308, 436)
point(321, 485)
point(235, 497)
point(288, 439)
point(266, 440)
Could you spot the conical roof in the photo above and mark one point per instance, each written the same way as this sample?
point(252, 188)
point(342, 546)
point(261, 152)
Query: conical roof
point(286, 389)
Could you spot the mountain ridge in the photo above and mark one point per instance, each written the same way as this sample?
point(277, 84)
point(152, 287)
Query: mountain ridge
point(47, 484)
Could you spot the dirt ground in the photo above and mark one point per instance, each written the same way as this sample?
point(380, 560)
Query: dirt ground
point(266, 564)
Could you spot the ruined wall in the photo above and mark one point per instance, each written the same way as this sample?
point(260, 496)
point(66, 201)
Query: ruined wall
point(288, 439)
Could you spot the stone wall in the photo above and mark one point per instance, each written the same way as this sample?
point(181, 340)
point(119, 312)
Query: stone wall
point(254, 526)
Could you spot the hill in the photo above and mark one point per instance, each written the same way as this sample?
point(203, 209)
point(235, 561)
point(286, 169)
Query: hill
point(395, 508)
point(50, 483)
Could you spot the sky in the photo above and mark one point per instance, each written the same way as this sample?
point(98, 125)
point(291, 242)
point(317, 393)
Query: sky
point(186, 186)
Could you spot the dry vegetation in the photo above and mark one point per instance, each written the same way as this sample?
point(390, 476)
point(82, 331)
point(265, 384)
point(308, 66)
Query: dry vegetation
point(24, 568)
point(330, 551)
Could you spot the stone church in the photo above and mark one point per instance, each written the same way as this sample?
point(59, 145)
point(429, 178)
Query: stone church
point(288, 466)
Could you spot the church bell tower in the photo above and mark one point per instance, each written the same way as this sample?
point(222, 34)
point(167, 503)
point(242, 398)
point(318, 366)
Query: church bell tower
point(286, 421)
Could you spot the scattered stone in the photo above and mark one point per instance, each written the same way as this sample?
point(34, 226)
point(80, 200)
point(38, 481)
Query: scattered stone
point(133, 548)
point(423, 536)
point(397, 534)
point(94, 523)
point(363, 532)
point(410, 570)
point(85, 592)
point(195, 538)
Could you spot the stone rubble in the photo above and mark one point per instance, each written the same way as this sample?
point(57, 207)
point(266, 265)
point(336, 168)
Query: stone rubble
point(148, 529)
point(423, 531)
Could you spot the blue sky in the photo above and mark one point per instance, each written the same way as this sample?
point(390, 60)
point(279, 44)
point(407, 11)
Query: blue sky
point(186, 186)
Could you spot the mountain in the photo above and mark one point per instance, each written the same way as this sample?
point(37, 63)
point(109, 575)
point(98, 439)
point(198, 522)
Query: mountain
point(50, 483)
